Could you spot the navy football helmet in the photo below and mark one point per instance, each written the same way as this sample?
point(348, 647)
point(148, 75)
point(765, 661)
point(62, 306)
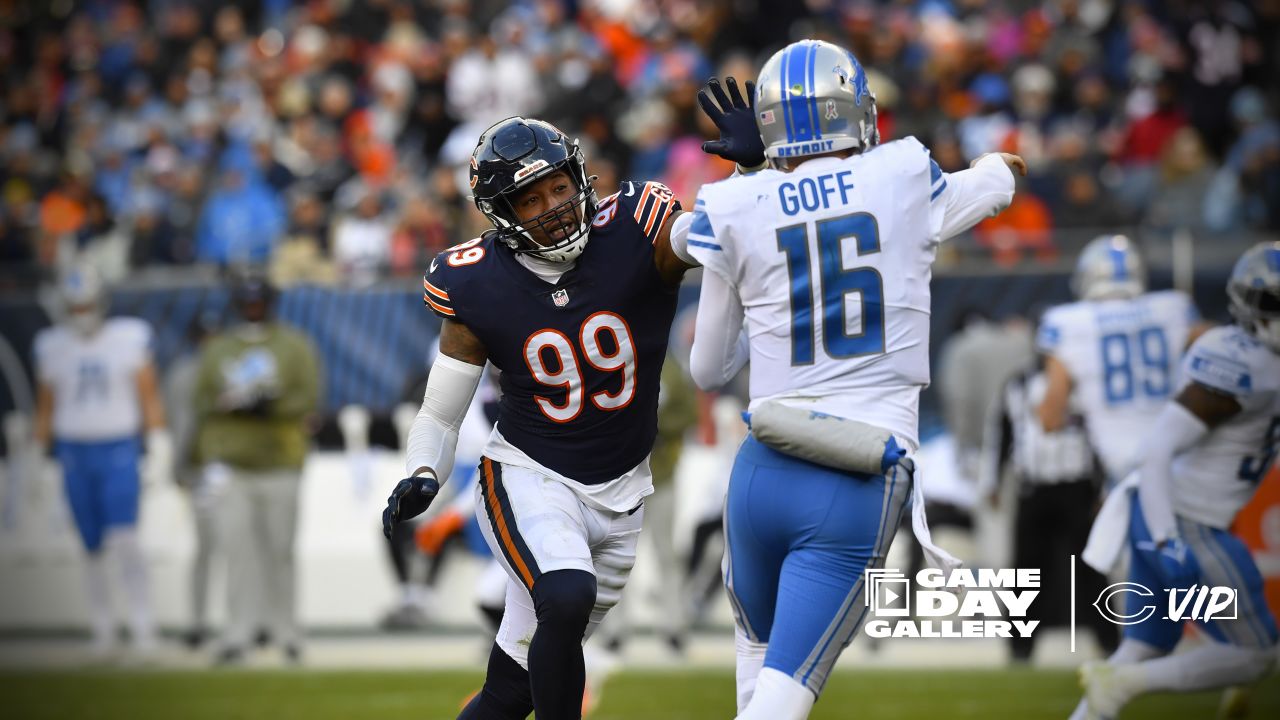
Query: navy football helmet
point(510, 156)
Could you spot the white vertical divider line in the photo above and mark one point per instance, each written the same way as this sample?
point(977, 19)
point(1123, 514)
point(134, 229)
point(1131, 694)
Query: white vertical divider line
point(1073, 603)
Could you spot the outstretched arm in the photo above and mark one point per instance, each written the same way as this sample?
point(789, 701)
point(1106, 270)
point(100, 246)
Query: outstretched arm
point(965, 198)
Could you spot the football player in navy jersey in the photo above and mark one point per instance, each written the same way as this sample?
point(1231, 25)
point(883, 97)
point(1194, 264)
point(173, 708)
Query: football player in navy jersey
point(572, 298)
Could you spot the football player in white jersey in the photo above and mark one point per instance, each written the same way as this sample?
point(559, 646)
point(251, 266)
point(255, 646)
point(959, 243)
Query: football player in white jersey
point(1117, 348)
point(96, 393)
point(826, 256)
point(1202, 459)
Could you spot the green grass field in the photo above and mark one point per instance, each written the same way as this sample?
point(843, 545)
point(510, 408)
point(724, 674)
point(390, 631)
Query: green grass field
point(306, 695)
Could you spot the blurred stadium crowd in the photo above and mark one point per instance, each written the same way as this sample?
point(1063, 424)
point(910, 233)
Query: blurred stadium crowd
point(329, 138)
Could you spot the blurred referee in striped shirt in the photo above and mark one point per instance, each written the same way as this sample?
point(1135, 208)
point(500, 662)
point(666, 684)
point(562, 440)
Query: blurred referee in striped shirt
point(1058, 480)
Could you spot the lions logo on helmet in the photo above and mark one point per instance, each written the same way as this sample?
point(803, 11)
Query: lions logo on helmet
point(820, 91)
point(1254, 290)
point(1109, 268)
point(512, 155)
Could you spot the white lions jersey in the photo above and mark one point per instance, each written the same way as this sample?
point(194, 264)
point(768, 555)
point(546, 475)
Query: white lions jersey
point(832, 264)
point(1217, 476)
point(94, 379)
point(1122, 356)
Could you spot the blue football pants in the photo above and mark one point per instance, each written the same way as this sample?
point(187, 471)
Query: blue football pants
point(799, 537)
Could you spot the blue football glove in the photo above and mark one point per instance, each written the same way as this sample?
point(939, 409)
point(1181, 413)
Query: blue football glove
point(410, 498)
point(1174, 562)
point(736, 119)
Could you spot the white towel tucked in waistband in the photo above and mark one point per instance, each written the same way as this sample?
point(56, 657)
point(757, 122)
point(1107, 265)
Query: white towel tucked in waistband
point(1110, 529)
point(934, 556)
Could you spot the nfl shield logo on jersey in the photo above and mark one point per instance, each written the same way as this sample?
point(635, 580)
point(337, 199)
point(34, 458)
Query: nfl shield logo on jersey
point(560, 297)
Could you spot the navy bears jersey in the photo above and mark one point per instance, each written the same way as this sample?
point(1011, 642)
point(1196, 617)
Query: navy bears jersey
point(580, 359)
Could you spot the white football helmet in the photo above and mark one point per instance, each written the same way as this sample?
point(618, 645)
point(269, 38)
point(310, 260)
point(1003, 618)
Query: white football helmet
point(1254, 289)
point(1109, 268)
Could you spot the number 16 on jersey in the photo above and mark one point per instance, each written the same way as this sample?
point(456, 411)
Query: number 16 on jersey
point(836, 284)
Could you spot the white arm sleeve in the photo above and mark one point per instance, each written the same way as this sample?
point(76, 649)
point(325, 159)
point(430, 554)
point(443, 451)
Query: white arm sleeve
point(680, 237)
point(720, 348)
point(972, 195)
point(1174, 430)
point(434, 435)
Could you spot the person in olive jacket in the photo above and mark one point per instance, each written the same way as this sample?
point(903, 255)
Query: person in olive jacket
point(257, 387)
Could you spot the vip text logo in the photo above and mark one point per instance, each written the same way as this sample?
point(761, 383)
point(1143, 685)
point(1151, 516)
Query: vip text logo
point(1129, 603)
point(984, 603)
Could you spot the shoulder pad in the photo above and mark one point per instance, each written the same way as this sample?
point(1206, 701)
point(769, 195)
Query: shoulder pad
point(1054, 327)
point(1223, 359)
point(441, 277)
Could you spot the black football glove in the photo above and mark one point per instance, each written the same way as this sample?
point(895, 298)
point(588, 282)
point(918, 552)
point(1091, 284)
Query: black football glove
point(411, 497)
point(736, 119)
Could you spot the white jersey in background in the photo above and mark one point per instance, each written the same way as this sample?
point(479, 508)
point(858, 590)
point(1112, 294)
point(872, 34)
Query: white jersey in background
point(1122, 355)
point(94, 379)
point(832, 263)
point(1218, 475)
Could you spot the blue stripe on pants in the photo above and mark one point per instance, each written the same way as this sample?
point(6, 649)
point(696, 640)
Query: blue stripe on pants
point(799, 537)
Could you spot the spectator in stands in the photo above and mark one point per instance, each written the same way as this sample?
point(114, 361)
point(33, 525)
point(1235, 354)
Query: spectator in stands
point(1082, 202)
point(362, 234)
point(257, 386)
point(421, 235)
point(15, 247)
point(241, 221)
point(1186, 172)
point(302, 257)
point(1156, 116)
point(991, 125)
point(1254, 159)
point(101, 243)
point(152, 237)
point(62, 214)
point(487, 83)
point(1024, 226)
